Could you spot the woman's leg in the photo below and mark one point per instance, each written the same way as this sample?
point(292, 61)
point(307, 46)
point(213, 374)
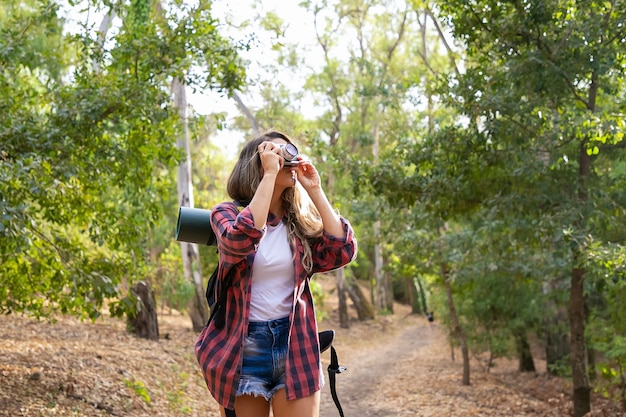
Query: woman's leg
point(302, 407)
point(250, 406)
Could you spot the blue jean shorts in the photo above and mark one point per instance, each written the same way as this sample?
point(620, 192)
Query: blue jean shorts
point(264, 358)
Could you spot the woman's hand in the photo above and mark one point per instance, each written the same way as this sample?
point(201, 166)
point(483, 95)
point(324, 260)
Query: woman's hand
point(271, 159)
point(310, 179)
point(308, 176)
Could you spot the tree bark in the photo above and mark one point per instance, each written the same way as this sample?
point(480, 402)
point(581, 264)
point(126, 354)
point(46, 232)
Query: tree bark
point(254, 125)
point(382, 285)
point(344, 319)
point(144, 322)
point(364, 309)
point(380, 297)
point(580, 377)
point(198, 309)
point(582, 399)
point(458, 331)
point(526, 362)
point(105, 25)
point(388, 292)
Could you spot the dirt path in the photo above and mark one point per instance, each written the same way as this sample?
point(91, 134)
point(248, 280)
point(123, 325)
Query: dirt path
point(398, 366)
point(373, 370)
point(401, 367)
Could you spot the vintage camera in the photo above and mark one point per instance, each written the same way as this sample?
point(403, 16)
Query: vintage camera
point(289, 153)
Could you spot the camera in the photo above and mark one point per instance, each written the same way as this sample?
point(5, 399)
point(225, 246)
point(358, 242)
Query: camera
point(289, 152)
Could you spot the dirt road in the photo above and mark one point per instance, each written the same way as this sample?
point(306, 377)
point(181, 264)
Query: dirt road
point(401, 367)
point(398, 366)
point(373, 370)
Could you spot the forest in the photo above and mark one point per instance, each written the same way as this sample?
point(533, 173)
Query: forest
point(477, 148)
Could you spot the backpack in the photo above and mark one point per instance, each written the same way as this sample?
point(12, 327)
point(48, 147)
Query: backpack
point(216, 305)
point(194, 226)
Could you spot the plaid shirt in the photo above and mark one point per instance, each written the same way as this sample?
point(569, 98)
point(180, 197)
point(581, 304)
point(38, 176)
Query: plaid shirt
point(220, 351)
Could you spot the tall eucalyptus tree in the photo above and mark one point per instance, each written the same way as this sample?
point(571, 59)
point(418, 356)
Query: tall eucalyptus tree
point(363, 83)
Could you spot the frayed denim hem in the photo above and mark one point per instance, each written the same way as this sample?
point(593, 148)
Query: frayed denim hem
point(255, 390)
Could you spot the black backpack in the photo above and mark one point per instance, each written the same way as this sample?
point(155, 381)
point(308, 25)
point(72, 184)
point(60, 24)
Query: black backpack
point(194, 226)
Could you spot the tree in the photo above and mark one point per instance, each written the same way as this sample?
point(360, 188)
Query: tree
point(532, 150)
point(562, 60)
point(86, 155)
point(363, 94)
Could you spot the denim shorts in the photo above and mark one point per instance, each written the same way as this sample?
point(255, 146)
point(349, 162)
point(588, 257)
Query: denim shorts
point(264, 358)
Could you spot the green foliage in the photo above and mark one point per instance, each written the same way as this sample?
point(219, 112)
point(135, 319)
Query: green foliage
point(173, 290)
point(607, 329)
point(88, 148)
point(139, 388)
point(500, 186)
point(318, 299)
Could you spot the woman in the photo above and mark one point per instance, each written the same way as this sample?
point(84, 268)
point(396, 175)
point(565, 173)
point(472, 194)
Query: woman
point(267, 352)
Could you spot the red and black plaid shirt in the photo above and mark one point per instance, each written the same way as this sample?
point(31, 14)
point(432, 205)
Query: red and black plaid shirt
point(220, 350)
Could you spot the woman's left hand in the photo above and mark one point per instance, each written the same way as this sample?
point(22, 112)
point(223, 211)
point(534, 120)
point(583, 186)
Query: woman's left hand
point(308, 176)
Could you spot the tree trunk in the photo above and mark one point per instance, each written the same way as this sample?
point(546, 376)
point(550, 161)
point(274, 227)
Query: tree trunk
point(422, 295)
point(579, 356)
point(382, 287)
point(105, 25)
point(526, 362)
point(144, 322)
point(388, 292)
point(198, 309)
point(557, 341)
point(580, 377)
point(379, 277)
point(254, 125)
point(364, 309)
point(413, 295)
point(458, 331)
point(344, 319)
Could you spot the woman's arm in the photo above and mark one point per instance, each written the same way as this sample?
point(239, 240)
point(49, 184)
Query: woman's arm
point(260, 203)
point(235, 231)
point(310, 180)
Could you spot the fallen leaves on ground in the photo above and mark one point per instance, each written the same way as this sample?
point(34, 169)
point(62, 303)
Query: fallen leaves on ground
point(398, 365)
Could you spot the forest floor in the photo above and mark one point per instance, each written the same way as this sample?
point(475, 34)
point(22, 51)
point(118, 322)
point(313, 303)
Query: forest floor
point(398, 365)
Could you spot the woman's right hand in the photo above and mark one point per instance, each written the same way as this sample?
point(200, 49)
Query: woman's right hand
point(271, 159)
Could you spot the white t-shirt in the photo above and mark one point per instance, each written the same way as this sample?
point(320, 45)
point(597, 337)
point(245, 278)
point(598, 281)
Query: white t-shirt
point(273, 275)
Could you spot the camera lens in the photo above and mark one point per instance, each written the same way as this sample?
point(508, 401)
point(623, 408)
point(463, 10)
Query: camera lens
point(289, 151)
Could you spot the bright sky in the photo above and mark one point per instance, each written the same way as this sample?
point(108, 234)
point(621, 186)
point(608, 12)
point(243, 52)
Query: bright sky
point(300, 30)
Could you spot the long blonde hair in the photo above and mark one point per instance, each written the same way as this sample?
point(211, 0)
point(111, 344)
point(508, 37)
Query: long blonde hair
point(303, 219)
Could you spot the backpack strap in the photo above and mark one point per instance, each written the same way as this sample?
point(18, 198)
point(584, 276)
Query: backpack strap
point(218, 310)
point(333, 369)
point(326, 341)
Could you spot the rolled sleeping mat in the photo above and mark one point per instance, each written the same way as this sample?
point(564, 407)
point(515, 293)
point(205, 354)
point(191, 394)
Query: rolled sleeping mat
point(194, 226)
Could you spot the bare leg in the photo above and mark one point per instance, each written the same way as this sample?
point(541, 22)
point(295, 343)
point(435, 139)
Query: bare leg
point(250, 406)
point(302, 407)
